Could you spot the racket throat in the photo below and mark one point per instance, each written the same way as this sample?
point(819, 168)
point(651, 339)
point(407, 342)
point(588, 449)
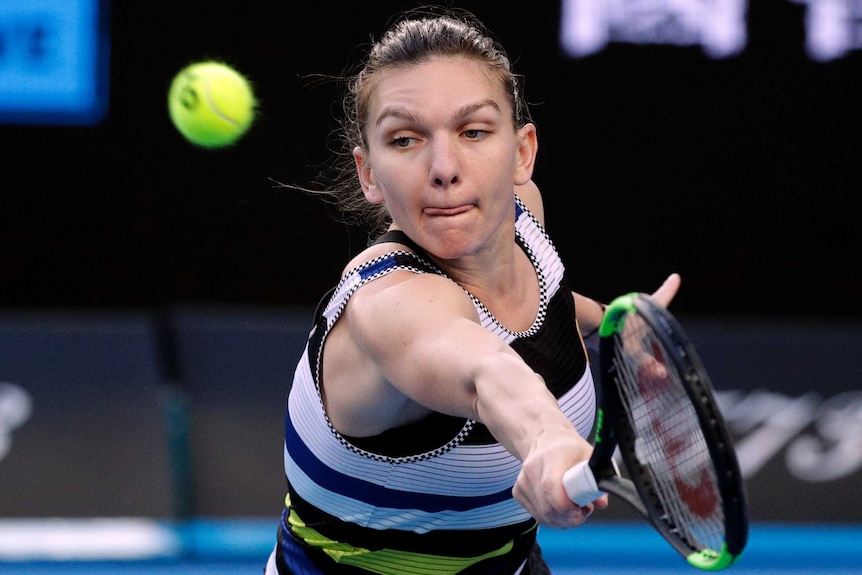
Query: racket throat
point(628, 492)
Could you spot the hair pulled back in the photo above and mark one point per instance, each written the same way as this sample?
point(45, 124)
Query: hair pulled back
point(415, 37)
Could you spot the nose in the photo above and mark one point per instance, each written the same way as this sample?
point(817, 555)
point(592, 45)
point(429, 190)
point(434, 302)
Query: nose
point(444, 170)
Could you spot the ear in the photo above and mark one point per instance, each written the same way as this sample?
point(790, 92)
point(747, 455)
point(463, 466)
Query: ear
point(366, 177)
point(528, 147)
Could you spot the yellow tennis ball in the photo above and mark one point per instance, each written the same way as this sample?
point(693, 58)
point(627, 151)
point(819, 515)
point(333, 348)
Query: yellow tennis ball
point(211, 104)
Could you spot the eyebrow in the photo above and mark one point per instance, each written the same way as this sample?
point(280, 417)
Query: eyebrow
point(404, 114)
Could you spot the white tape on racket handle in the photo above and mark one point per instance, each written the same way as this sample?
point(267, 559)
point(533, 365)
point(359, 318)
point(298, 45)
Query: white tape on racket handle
point(580, 484)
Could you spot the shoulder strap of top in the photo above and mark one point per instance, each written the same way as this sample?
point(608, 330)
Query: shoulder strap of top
point(418, 261)
point(401, 238)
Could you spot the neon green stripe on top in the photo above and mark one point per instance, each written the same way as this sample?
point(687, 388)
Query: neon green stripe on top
point(388, 561)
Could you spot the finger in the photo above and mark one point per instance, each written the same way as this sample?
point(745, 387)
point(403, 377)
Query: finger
point(582, 514)
point(667, 290)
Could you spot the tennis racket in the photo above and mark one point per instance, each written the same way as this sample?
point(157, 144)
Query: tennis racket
point(658, 408)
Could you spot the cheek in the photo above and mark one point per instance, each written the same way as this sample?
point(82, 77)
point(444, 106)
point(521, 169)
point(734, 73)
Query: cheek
point(394, 179)
point(397, 198)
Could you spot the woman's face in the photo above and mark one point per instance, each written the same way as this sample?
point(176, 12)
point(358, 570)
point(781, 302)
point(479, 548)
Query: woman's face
point(443, 155)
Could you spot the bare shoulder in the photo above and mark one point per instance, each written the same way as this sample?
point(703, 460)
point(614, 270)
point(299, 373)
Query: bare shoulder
point(405, 288)
point(403, 294)
point(532, 198)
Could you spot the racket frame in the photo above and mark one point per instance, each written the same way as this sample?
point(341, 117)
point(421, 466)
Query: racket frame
point(615, 429)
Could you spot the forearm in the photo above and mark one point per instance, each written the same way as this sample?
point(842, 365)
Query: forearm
point(589, 313)
point(518, 409)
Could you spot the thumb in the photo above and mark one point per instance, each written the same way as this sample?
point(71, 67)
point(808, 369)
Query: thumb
point(667, 290)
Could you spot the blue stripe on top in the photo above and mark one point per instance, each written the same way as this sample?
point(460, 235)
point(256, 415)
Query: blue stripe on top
point(329, 479)
point(377, 266)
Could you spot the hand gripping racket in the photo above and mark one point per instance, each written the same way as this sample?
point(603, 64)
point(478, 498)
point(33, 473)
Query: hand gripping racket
point(658, 408)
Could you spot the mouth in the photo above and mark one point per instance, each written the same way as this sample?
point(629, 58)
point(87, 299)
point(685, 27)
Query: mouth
point(453, 211)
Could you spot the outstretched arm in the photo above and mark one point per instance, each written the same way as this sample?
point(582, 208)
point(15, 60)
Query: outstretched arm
point(422, 336)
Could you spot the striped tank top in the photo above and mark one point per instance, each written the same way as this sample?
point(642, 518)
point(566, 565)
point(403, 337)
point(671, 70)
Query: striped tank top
point(432, 497)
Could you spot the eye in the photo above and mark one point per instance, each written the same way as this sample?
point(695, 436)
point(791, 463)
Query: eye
point(474, 134)
point(402, 141)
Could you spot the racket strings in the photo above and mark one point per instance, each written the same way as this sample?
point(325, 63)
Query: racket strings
point(668, 441)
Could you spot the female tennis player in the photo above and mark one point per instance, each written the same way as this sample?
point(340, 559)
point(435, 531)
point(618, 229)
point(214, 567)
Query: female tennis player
point(445, 387)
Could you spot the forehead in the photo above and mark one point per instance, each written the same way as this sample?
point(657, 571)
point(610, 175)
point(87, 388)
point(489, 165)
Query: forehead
point(439, 82)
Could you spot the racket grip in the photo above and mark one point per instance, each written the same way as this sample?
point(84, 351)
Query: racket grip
point(580, 484)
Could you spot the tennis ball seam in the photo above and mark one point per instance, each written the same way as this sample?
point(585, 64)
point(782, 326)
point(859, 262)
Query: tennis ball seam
point(214, 106)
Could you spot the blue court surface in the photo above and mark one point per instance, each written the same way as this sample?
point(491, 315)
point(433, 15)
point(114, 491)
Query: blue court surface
point(240, 547)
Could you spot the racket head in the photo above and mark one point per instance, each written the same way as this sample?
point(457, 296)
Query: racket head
point(671, 435)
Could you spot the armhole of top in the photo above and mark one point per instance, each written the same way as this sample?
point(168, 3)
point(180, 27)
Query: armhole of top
point(322, 303)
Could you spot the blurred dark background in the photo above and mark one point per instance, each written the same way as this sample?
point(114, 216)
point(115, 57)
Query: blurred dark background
point(738, 172)
point(164, 292)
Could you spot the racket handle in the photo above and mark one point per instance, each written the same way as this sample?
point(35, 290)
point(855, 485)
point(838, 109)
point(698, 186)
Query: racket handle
point(580, 484)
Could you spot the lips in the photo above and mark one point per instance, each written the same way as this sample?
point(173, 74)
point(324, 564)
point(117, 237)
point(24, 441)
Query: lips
point(454, 211)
